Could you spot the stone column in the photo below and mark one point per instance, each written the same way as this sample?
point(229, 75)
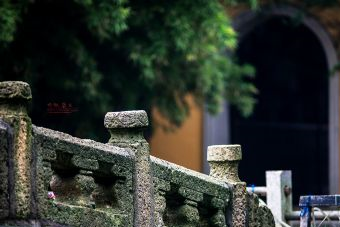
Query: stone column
point(223, 161)
point(14, 99)
point(126, 129)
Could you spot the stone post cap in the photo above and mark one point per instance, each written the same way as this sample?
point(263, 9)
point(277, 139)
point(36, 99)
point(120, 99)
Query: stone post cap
point(126, 119)
point(15, 90)
point(220, 153)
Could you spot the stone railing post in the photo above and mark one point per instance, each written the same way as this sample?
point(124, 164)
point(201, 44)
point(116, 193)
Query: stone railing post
point(223, 161)
point(126, 129)
point(14, 99)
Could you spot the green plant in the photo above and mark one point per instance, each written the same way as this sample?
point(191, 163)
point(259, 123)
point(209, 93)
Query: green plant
point(105, 55)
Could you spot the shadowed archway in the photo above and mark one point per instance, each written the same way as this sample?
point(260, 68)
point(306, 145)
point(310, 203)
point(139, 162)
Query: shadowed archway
point(326, 111)
point(288, 129)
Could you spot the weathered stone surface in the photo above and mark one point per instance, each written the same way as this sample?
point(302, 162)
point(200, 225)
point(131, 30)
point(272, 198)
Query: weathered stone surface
point(160, 205)
point(225, 171)
point(144, 188)
point(192, 186)
point(239, 205)
point(161, 188)
point(126, 129)
point(180, 175)
point(15, 90)
point(188, 214)
point(218, 203)
point(85, 163)
point(223, 161)
point(218, 219)
point(252, 207)
point(220, 153)
point(188, 193)
point(6, 139)
point(85, 217)
point(87, 178)
point(80, 171)
point(126, 119)
point(14, 97)
point(62, 181)
point(266, 218)
point(74, 190)
point(50, 140)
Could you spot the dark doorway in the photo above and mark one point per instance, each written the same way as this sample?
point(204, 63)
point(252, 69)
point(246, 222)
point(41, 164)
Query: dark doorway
point(289, 127)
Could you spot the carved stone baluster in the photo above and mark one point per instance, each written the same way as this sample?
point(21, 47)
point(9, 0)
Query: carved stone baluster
point(253, 207)
point(188, 213)
point(160, 201)
point(160, 205)
point(6, 146)
point(218, 219)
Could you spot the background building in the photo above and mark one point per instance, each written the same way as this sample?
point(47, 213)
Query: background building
point(294, 49)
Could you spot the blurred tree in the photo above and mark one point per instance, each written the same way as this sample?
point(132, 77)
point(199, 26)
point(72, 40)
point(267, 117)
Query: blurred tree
point(105, 55)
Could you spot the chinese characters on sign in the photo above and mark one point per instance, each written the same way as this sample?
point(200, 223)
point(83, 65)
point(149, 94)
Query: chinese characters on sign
point(60, 108)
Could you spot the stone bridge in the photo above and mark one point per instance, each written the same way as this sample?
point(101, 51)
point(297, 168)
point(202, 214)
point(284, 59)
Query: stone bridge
point(49, 178)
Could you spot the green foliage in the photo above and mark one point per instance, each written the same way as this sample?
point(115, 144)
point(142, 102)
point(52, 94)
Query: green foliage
point(105, 55)
point(9, 16)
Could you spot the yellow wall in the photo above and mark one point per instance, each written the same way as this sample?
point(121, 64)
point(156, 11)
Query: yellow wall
point(184, 145)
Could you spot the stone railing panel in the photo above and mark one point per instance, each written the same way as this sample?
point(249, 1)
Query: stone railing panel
point(188, 198)
point(86, 178)
point(49, 178)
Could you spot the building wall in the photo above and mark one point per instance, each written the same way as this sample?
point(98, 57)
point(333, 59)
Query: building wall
point(328, 19)
point(182, 146)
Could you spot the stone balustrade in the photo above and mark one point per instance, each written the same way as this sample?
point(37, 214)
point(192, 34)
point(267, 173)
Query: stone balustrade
point(49, 178)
